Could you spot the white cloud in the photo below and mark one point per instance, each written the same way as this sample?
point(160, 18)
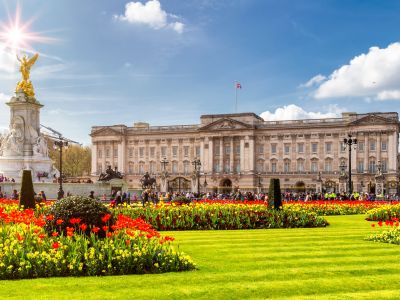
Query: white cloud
point(313, 81)
point(294, 112)
point(389, 95)
point(8, 61)
point(150, 14)
point(366, 75)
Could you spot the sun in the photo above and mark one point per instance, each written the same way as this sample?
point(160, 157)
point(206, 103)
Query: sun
point(16, 36)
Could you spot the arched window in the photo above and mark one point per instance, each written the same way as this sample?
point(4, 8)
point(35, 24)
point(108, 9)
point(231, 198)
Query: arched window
point(174, 167)
point(152, 167)
point(186, 167)
point(260, 166)
point(300, 165)
point(131, 168)
point(141, 168)
point(286, 165)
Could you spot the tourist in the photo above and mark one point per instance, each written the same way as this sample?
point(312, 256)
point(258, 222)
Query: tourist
point(14, 195)
point(91, 195)
point(118, 198)
point(43, 196)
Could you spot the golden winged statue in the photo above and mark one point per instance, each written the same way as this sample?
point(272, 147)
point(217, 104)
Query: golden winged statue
point(25, 84)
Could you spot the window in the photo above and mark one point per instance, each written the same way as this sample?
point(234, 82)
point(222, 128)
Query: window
point(286, 166)
point(100, 153)
point(372, 166)
point(372, 146)
point(141, 151)
point(260, 166)
point(314, 166)
point(108, 152)
point(360, 166)
point(130, 168)
point(328, 166)
point(226, 166)
point(227, 150)
point(152, 167)
point(273, 148)
point(152, 152)
point(163, 151)
point(328, 147)
point(342, 147)
point(186, 151)
point(174, 167)
point(198, 151)
point(115, 152)
point(237, 149)
point(273, 167)
point(383, 146)
point(141, 168)
point(237, 166)
point(314, 147)
point(216, 150)
point(260, 149)
point(360, 147)
point(216, 167)
point(186, 167)
point(384, 165)
point(174, 151)
point(130, 152)
point(99, 169)
point(300, 148)
point(300, 165)
point(287, 149)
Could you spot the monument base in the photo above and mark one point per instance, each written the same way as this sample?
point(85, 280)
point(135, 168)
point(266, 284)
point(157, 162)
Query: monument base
point(42, 168)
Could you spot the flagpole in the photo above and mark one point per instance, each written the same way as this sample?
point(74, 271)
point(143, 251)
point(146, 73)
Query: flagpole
point(236, 102)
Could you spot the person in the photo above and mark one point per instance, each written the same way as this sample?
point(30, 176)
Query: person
point(43, 196)
point(91, 195)
point(14, 195)
point(118, 199)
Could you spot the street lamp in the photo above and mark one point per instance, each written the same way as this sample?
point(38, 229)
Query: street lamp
point(59, 145)
point(164, 163)
point(350, 142)
point(197, 164)
point(205, 182)
point(259, 182)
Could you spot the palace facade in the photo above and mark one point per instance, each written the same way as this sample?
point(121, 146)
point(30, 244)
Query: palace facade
point(244, 151)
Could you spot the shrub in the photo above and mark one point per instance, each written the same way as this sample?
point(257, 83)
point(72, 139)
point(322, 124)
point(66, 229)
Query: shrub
point(88, 211)
point(274, 194)
point(181, 200)
point(27, 195)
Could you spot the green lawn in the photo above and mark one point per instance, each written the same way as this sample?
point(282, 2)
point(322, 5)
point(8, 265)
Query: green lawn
point(323, 263)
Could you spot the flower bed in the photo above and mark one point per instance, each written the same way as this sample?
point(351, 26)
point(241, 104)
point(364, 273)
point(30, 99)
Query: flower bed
point(391, 236)
point(200, 216)
point(131, 246)
point(384, 212)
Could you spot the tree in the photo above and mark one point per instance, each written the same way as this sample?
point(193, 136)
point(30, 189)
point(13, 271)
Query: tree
point(274, 194)
point(76, 160)
point(27, 195)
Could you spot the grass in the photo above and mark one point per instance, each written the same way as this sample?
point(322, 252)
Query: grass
point(322, 263)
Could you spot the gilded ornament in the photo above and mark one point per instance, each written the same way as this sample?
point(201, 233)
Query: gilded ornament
point(25, 84)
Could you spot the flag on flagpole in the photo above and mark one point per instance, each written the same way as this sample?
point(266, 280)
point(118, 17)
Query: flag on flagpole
point(238, 85)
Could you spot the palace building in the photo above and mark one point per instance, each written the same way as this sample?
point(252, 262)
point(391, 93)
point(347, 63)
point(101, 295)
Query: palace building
point(242, 151)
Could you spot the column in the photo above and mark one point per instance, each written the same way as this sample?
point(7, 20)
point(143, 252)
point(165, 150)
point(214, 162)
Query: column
point(231, 157)
point(202, 160)
point(94, 158)
point(103, 163)
point(210, 155)
point(121, 156)
point(251, 153)
point(392, 151)
point(366, 153)
point(241, 154)
point(353, 163)
point(112, 155)
point(221, 152)
point(378, 146)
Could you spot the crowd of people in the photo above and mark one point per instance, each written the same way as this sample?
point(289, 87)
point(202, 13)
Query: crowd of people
point(6, 179)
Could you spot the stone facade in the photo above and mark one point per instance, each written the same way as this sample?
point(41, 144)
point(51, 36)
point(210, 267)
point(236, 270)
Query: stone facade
point(244, 151)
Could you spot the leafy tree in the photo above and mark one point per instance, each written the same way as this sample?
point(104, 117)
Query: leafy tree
point(76, 160)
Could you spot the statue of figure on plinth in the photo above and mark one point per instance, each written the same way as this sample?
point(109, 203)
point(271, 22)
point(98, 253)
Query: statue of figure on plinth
point(110, 174)
point(13, 142)
point(147, 181)
point(25, 84)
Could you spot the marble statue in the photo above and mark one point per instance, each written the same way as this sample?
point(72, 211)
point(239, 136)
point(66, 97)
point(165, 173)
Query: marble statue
point(14, 141)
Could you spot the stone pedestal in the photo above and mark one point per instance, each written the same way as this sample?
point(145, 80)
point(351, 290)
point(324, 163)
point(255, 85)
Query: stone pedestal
point(195, 182)
point(24, 147)
point(164, 182)
point(379, 185)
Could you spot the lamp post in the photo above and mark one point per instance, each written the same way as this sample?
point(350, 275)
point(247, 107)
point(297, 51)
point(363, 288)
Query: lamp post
point(59, 145)
point(349, 141)
point(259, 186)
point(197, 164)
point(164, 163)
point(205, 182)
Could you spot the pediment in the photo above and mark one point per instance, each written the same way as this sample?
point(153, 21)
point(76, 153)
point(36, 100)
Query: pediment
point(373, 120)
point(226, 124)
point(106, 131)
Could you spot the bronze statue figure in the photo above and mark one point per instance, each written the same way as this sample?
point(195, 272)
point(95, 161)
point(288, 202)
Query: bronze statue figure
point(110, 174)
point(147, 181)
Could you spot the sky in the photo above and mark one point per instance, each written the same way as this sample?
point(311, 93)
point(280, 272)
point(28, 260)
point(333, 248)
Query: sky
point(167, 62)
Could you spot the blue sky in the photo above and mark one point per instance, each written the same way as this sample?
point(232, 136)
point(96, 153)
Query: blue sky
point(169, 61)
